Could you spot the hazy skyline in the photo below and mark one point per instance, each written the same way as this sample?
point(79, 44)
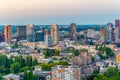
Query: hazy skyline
point(59, 11)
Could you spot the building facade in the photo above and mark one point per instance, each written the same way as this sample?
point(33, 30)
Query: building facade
point(72, 30)
point(7, 33)
point(30, 32)
point(109, 33)
point(21, 33)
point(54, 33)
point(65, 73)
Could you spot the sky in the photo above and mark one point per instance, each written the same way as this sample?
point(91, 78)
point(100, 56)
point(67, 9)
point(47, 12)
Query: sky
point(59, 11)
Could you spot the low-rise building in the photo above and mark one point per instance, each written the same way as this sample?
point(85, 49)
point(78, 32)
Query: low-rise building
point(65, 73)
point(11, 76)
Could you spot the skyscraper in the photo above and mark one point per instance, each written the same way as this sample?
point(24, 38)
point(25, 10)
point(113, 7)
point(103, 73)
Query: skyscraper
point(2, 37)
point(72, 30)
point(21, 33)
point(102, 34)
point(117, 23)
point(54, 33)
point(48, 38)
point(39, 36)
point(7, 33)
point(117, 28)
point(30, 32)
point(109, 32)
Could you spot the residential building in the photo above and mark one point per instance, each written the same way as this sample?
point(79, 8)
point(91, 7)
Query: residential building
point(30, 32)
point(109, 33)
point(66, 73)
point(11, 76)
point(102, 34)
point(91, 33)
point(7, 33)
point(48, 38)
point(73, 30)
point(54, 33)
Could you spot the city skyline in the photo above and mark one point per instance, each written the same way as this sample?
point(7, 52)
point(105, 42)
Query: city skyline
point(58, 11)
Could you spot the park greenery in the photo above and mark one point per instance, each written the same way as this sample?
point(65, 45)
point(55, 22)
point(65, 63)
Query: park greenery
point(104, 52)
point(111, 74)
point(71, 50)
point(50, 52)
point(16, 64)
point(47, 67)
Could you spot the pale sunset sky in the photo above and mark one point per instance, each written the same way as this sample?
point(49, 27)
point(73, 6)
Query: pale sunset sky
point(59, 11)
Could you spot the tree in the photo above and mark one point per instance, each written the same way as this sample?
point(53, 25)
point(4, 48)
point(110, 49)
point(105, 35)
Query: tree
point(15, 67)
point(25, 75)
point(29, 61)
point(111, 71)
point(35, 62)
point(29, 76)
point(76, 52)
point(57, 52)
point(93, 59)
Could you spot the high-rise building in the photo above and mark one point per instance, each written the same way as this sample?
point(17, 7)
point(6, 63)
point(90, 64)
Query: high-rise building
point(102, 34)
point(48, 38)
point(21, 33)
point(39, 36)
point(109, 32)
point(7, 33)
point(91, 33)
point(117, 30)
point(72, 30)
point(2, 37)
point(54, 33)
point(30, 32)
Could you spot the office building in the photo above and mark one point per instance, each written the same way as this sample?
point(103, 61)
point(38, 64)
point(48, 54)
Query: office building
point(21, 33)
point(2, 38)
point(117, 30)
point(48, 38)
point(54, 33)
point(39, 36)
point(72, 30)
point(109, 33)
point(30, 33)
point(7, 33)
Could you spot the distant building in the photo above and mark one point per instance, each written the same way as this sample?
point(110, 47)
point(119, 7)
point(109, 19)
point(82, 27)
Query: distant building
point(91, 33)
point(72, 30)
point(118, 58)
point(42, 75)
point(109, 33)
point(21, 33)
point(85, 57)
point(117, 23)
point(54, 33)
point(48, 38)
point(39, 36)
point(102, 34)
point(117, 30)
point(30, 32)
point(7, 33)
point(2, 37)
